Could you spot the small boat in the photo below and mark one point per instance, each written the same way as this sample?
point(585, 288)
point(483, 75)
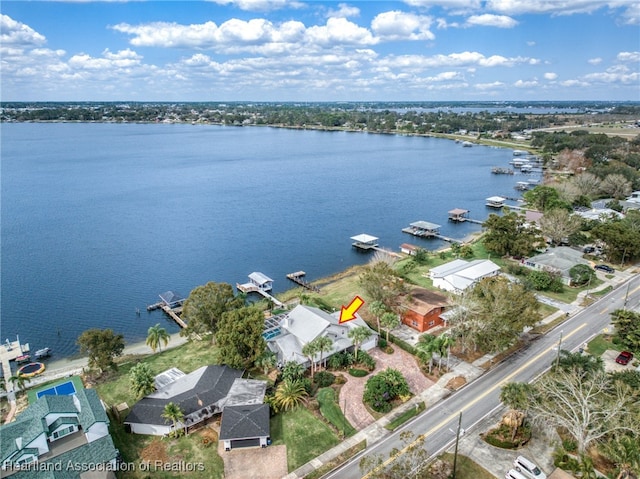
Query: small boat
point(23, 358)
point(43, 353)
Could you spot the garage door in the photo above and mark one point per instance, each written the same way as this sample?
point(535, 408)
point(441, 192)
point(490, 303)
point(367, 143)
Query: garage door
point(245, 443)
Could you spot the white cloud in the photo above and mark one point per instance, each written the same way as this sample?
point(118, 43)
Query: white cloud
point(18, 34)
point(108, 62)
point(614, 77)
point(260, 5)
point(595, 61)
point(396, 25)
point(463, 59)
point(628, 57)
point(339, 31)
point(630, 13)
point(456, 5)
point(550, 76)
point(344, 11)
point(531, 43)
point(489, 20)
point(526, 83)
point(489, 86)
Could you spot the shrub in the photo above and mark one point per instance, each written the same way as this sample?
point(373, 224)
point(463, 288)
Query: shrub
point(383, 388)
point(340, 379)
point(366, 361)
point(336, 361)
point(382, 343)
point(324, 379)
point(358, 373)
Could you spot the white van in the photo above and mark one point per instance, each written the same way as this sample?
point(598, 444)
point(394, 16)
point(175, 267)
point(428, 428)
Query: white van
point(513, 474)
point(528, 468)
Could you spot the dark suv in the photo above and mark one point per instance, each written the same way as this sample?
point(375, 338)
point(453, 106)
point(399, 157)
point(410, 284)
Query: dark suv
point(605, 268)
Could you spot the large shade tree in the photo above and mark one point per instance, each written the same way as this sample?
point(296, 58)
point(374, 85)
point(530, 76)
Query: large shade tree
point(102, 346)
point(239, 337)
point(559, 224)
point(510, 235)
point(206, 304)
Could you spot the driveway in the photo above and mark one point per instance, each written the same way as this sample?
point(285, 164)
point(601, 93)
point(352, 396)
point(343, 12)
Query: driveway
point(254, 462)
point(350, 397)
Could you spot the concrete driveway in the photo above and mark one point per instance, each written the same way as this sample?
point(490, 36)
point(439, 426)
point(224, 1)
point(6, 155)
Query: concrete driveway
point(350, 398)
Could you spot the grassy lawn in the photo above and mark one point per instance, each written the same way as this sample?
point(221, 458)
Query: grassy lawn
point(405, 416)
point(330, 409)
point(305, 436)
point(600, 344)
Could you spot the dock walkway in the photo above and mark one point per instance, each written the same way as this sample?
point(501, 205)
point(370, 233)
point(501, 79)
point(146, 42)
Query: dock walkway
point(252, 288)
point(298, 278)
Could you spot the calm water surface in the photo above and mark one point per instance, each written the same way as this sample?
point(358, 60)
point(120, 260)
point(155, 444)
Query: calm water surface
point(98, 219)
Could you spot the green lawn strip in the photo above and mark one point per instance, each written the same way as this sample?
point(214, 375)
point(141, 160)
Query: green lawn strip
point(598, 345)
point(603, 291)
point(467, 468)
point(304, 435)
point(341, 459)
point(190, 451)
point(330, 409)
point(405, 416)
point(570, 294)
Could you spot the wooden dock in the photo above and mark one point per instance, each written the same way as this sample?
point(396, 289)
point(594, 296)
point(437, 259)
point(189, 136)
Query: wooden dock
point(173, 314)
point(252, 288)
point(387, 251)
point(447, 239)
point(9, 351)
point(298, 278)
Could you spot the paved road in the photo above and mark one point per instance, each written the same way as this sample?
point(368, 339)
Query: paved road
point(481, 397)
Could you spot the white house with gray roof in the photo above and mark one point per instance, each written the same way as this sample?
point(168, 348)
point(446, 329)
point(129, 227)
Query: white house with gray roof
point(303, 324)
point(458, 275)
point(56, 431)
point(560, 259)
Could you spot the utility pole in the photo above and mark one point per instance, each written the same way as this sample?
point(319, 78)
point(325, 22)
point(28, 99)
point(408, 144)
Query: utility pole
point(455, 454)
point(626, 297)
point(559, 345)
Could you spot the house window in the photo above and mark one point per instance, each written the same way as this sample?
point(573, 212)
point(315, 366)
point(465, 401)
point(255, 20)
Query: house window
point(63, 432)
point(431, 323)
point(26, 460)
point(414, 323)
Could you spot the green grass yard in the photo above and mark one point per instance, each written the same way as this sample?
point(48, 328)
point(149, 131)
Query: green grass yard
point(305, 436)
point(330, 409)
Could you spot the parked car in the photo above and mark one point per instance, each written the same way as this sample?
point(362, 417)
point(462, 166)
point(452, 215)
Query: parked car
point(605, 268)
point(588, 249)
point(513, 474)
point(528, 468)
point(624, 358)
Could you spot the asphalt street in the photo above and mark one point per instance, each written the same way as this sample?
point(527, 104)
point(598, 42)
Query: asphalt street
point(481, 397)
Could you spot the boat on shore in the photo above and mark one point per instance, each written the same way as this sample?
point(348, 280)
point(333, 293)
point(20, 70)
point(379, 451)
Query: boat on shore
point(43, 353)
point(24, 358)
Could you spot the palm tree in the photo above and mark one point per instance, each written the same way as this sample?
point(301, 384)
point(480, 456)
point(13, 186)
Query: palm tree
point(377, 309)
point(446, 343)
point(516, 397)
point(292, 371)
point(289, 395)
point(173, 413)
point(19, 381)
point(324, 344)
point(624, 452)
point(141, 378)
point(266, 361)
point(310, 350)
point(156, 335)
point(390, 321)
point(427, 345)
point(357, 335)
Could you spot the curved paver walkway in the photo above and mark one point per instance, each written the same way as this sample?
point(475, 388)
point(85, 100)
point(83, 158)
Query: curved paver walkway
point(350, 397)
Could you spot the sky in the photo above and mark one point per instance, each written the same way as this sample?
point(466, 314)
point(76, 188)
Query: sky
point(294, 50)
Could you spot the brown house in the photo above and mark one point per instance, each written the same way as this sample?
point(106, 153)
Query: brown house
point(422, 309)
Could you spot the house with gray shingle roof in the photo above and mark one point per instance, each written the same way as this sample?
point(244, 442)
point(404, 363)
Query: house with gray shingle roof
point(245, 426)
point(202, 394)
point(560, 259)
point(55, 430)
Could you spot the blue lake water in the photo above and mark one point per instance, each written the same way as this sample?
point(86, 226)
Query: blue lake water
point(98, 219)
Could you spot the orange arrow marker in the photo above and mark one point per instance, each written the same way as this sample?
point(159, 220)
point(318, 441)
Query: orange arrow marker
point(349, 312)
